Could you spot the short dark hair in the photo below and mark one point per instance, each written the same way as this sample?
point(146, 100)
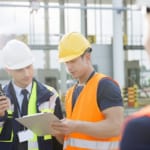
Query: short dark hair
point(148, 9)
point(88, 50)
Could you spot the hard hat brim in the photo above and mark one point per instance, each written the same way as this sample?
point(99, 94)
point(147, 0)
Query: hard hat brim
point(69, 58)
point(21, 65)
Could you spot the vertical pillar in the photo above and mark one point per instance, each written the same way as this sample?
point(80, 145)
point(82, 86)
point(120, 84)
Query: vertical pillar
point(84, 18)
point(46, 13)
point(118, 52)
point(63, 74)
point(125, 42)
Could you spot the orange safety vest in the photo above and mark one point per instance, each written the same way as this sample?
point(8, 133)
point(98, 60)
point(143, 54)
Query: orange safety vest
point(87, 109)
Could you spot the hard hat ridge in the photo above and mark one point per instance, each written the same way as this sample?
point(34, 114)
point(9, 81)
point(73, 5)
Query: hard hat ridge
point(17, 55)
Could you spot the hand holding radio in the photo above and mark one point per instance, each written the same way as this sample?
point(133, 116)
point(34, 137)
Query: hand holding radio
point(4, 102)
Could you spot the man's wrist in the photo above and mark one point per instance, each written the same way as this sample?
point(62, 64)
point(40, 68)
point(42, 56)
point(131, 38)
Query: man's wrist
point(3, 117)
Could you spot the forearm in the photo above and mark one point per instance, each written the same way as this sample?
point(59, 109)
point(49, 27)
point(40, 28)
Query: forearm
point(110, 126)
point(103, 129)
point(2, 114)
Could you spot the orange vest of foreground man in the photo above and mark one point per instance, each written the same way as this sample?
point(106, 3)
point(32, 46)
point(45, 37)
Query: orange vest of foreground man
point(86, 109)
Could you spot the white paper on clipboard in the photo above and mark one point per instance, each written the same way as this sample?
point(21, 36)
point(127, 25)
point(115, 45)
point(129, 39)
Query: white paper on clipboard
point(39, 123)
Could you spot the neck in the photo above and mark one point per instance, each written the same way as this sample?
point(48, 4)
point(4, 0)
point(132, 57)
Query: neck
point(84, 80)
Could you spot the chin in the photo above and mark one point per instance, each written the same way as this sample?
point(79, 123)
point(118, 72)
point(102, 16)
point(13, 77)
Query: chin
point(27, 82)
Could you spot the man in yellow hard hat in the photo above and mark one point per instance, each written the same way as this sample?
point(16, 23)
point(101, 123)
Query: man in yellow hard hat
point(27, 96)
point(94, 106)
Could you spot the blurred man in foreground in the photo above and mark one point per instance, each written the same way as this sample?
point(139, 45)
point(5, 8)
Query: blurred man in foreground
point(136, 133)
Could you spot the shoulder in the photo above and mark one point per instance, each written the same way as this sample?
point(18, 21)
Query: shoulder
point(108, 84)
point(6, 85)
point(108, 94)
point(45, 87)
point(108, 80)
point(52, 89)
point(136, 134)
point(140, 122)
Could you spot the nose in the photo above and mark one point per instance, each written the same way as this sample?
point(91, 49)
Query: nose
point(26, 71)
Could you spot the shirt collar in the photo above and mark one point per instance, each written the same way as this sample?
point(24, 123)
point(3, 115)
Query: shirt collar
point(18, 89)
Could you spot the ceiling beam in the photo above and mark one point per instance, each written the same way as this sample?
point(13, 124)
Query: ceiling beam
point(73, 1)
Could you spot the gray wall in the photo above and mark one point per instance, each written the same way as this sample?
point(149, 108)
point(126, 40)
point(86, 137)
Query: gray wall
point(102, 58)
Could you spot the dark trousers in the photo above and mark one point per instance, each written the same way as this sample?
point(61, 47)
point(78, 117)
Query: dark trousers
point(22, 146)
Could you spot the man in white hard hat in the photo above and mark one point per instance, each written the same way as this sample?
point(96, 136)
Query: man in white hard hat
point(136, 132)
point(26, 96)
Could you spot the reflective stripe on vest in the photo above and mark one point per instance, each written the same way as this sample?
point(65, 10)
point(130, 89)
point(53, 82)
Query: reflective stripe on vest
point(92, 145)
point(11, 138)
point(32, 144)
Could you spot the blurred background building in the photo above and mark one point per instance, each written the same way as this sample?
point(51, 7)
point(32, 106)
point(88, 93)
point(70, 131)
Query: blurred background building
point(114, 28)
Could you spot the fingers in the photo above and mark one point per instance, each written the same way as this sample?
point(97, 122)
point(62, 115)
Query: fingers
point(57, 126)
point(61, 126)
point(2, 98)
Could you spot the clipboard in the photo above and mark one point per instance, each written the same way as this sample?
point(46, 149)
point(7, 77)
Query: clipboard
point(39, 123)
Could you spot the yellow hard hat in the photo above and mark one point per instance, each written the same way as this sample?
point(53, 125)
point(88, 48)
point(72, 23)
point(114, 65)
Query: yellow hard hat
point(71, 46)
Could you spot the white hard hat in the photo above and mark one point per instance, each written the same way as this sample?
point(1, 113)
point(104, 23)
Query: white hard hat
point(17, 55)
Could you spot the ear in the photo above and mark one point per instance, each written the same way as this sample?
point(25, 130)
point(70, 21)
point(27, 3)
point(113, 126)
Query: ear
point(88, 56)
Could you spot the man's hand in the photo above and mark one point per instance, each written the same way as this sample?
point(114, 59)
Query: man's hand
point(64, 126)
point(4, 105)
